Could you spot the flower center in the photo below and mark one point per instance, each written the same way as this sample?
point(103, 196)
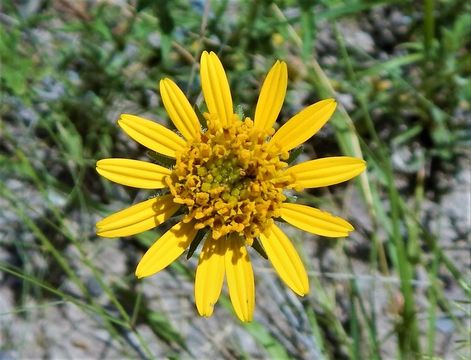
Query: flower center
point(229, 180)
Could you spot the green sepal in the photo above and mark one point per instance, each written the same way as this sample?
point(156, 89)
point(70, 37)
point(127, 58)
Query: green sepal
point(240, 112)
point(295, 153)
point(291, 199)
point(160, 192)
point(161, 160)
point(259, 248)
point(201, 117)
point(196, 241)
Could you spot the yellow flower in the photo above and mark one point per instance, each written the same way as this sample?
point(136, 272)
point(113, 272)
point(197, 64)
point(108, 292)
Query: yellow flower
point(228, 179)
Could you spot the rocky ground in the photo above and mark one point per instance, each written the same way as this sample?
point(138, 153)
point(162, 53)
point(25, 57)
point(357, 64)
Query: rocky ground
point(36, 323)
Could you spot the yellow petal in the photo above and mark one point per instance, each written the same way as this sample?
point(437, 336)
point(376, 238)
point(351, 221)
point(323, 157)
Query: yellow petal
point(209, 276)
point(314, 220)
point(240, 278)
point(216, 91)
point(285, 259)
point(135, 173)
point(303, 125)
point(271, 96)
point(152, 135)
point(327, 171)
point(138, 218)
point(179, 109)
point(166, 249)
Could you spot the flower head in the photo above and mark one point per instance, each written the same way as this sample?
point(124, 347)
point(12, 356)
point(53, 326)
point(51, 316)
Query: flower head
point(228, 181)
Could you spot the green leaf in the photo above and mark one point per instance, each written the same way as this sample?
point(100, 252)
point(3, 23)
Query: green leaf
point(274, 349)
point(391, 65)
point(143, 4)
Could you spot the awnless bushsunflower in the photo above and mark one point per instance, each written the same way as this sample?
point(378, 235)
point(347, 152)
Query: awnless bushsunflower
point(227, 180)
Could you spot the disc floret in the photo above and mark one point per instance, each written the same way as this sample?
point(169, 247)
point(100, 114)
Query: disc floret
point(228, 179)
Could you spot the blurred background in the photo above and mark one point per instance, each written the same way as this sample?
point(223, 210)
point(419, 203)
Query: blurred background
point(398, 287)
